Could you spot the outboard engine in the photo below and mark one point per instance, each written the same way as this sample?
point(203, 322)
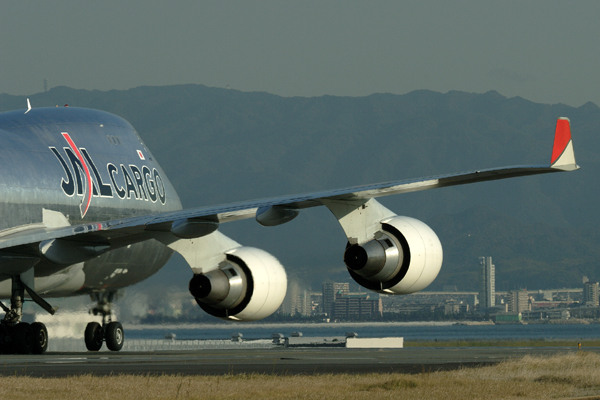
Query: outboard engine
point(404, 257)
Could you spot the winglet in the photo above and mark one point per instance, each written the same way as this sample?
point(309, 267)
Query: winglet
point(28, 106)
point(563, 156)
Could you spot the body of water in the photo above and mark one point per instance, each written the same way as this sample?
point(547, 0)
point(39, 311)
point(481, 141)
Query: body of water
point(410, 331)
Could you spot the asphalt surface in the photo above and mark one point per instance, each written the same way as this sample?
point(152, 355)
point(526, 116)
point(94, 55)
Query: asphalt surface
point(278, 361)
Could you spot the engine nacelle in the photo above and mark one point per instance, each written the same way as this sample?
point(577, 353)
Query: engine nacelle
point(405, 257)
point(249, 286)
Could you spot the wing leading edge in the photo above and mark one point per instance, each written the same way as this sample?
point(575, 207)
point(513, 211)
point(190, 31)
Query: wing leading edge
point(276, 210)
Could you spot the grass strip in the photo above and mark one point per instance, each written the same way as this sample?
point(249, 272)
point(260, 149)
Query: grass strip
point(562, 376)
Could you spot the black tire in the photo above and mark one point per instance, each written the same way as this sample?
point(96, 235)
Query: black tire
point(93, 336)
point(115, 336)
point(22, 339)
point(3, 340)
point(39, 336)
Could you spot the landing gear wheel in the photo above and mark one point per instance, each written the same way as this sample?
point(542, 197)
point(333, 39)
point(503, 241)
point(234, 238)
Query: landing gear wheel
point(93, 336)
point(4, 340)
point(39, 335)
point(115, 336)
point(22, 338)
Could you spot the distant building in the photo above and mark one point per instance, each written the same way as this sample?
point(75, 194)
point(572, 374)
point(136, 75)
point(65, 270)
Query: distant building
point(518, 300)
point(546, 314)
point(455, 307)
point(541, 305)
point(332, 290)
point(474, 301)
point(357, 305)
point(590, 294)
point(487, 283)
point(316, 300)
point(297, 300)
point(303, 305)
point(547, 295)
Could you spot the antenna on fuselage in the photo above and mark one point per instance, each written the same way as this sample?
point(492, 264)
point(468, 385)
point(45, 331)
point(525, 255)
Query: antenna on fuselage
point(28, 106)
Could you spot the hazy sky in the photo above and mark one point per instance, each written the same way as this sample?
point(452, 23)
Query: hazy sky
point(545, 51)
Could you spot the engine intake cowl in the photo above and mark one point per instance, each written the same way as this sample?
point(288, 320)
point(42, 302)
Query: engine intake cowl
point(405, 257)
point(248, 286)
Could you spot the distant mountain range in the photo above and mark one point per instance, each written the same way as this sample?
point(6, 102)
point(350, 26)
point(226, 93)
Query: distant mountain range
point(218, 145)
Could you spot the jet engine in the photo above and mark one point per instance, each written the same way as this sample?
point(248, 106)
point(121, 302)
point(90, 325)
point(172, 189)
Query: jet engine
point(248, 286)
point(404, 257)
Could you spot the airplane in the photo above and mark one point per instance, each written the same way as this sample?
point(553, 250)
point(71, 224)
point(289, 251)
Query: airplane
point(87, 210)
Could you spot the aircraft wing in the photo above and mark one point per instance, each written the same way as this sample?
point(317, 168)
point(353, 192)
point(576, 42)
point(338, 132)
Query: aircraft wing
point(277, 210)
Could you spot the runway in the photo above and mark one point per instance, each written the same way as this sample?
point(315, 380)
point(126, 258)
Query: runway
point(279, 361)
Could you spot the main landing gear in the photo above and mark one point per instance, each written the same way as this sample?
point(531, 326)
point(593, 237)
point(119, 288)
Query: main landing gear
point(110, 331)
point(18, 337)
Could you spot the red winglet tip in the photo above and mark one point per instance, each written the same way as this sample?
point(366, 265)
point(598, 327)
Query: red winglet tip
point(562, 137)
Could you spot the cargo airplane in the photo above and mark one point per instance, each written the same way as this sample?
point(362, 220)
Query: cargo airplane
point(87, 210)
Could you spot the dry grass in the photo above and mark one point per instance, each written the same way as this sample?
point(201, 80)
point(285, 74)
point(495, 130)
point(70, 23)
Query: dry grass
point(558, 377)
